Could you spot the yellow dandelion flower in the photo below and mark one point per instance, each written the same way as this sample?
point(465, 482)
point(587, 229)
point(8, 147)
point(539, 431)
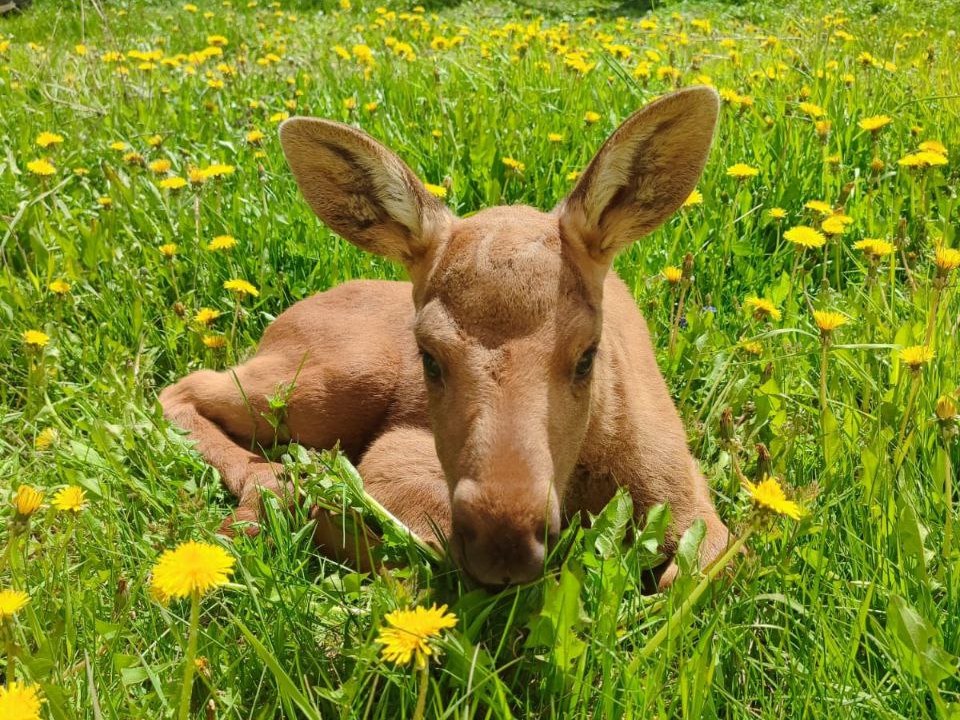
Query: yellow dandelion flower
point(812, 110)
point(205, 316)
point(222, 243)
point(192, 568)
point(35, 338)
point(573, 175)
point(43, 168)
point(59, 287)
point(672, 274)
point(761, 308)
point(155, 140)
point(160, 166)
point(694, 198)
point(27, 500)
point(916, 356)
point(46, 139)
point(218, 170)
point(828, 321)
point(172, 183)
point(70, 499)
point(776, 213)
point(409, 632)
point(922, 159)
point(874, 123)
point(46, 438)
point(20, 701)
point(133, 158)
point(118, 145)
point(217, 41)
point(255, 136)
point(12, 602)
point(751, 347)
point(742, 171)
point(514, 165)
point(169, 250)
point(436, 190)
point(768, 495)
point(934, 146)
point(105, 201)
point(874, 248)
point(590, 117)
point(834, 225)
point(946, 259)
point(818, 206)
point(241, 287)
point(554, 137)
point(279, 117)
point(214, 342)
point(805, 236)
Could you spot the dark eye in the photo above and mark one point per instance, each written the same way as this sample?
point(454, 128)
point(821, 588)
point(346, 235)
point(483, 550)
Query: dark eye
point(431, 368)
point(585, 364)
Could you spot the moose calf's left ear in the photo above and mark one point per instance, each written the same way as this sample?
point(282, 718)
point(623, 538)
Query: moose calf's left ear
point(642, 174)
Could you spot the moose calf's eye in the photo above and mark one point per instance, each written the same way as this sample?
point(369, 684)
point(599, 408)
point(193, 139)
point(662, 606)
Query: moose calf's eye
point(585, 364)
point(431, 368)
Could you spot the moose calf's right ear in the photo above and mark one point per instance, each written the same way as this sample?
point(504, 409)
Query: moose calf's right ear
point(642, 174)
point(361, 190)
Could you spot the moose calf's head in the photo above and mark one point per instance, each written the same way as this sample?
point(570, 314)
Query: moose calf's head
point(508, 307)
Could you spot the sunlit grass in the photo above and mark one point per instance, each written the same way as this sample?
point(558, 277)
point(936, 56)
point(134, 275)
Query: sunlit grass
point(803, 304)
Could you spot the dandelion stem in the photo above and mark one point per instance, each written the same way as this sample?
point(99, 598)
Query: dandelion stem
point(675, 324)
point(824, 356)
point(907, 412)
point(422, 692)
point(188, 667)
point(948, 496)
point(679, 617)
point(11, 654)
point(932, 317)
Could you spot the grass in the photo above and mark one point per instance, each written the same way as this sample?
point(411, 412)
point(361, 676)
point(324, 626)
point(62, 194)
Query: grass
point(851, 612)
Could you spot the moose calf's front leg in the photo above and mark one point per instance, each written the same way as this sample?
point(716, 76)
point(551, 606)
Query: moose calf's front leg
point(218, 417)
point(689, 501)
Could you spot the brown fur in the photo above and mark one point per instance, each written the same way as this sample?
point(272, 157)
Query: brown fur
point(508, 443)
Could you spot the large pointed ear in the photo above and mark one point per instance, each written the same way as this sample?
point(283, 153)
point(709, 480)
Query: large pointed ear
point(642, 174)
point(362, 190)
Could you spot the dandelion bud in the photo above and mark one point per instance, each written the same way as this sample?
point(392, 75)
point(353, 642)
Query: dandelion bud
point(764, 462)
point(27, 501)
point(946, 409)
point(179, 309)
point(901, 234)
point(726, 425)
point(767, 373)
point(687, 267)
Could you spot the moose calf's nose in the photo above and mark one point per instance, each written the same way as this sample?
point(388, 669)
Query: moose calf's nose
point(497, 550)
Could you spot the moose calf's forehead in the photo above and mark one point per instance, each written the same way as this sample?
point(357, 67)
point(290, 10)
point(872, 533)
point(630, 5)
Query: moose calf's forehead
point(503, 274)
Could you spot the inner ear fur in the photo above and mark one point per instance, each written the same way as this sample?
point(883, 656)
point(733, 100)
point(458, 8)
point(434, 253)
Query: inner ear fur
point(642, 173)
point(361, 190)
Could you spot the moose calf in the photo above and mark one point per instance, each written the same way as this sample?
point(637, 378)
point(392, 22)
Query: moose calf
point(509, 385)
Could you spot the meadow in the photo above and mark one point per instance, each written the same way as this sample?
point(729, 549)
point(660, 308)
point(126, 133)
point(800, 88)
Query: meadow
point(803, 304)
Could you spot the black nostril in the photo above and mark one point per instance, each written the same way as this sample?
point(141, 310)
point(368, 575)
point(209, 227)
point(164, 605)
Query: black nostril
point(540, 531)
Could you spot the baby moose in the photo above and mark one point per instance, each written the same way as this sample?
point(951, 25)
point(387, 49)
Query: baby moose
point(508, 386)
